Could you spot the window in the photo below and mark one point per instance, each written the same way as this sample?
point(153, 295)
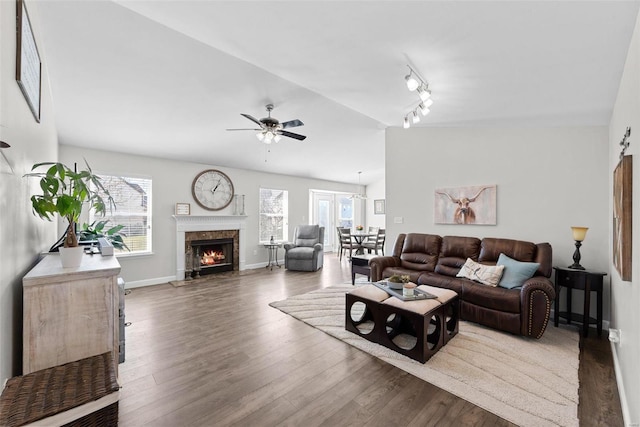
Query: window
point(345, 211)
point(274, 215)
point(133, 210)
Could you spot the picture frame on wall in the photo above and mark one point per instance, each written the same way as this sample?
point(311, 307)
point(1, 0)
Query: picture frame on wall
point(378, 207)
point(465, 205)
point(183, 209)
point(28, 64)
point(622, 214)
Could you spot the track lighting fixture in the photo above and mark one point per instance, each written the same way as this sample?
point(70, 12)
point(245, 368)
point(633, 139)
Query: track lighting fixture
point(416, 83)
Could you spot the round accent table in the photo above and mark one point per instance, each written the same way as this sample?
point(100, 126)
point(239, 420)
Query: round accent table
point(273, 254)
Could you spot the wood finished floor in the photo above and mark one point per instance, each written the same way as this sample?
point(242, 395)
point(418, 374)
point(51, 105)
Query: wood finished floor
point(215, 354)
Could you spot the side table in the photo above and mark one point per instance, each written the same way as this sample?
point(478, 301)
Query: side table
point(360, 265)
point(273, 254)
point(584, 280)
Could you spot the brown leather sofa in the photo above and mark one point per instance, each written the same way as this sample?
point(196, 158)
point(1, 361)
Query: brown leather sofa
point(434, 260)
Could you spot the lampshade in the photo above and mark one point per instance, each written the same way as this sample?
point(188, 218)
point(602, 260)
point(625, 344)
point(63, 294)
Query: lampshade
point(579, 233)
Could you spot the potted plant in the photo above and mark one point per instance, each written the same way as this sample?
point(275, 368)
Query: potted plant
point(397, 281)
point(64, 192)
point(91, 232)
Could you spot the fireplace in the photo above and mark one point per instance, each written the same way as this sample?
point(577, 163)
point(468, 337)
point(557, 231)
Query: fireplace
point(212, 256)
point(210, 227)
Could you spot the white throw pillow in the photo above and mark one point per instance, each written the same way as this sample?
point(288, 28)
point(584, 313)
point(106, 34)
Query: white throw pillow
point(485, 274)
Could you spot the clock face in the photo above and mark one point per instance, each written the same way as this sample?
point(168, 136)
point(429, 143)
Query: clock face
point(212, 189)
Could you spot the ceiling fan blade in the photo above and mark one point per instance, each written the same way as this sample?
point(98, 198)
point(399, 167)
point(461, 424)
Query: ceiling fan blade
point(292, 124)
point(292, 135)
point(253, 119)
point(258, 130)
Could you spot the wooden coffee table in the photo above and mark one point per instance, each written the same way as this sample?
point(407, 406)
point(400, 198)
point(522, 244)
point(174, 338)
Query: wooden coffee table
point(417, 329)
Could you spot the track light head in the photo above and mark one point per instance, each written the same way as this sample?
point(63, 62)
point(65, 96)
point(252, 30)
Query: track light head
point(412, 81)
point(424, 110)
point(406, 123)
point(423, 92)
point(415, 117)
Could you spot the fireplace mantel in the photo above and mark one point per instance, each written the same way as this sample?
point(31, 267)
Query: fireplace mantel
point(186, 223)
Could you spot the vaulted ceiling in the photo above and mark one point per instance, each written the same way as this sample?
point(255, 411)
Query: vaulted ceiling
point(167, 78)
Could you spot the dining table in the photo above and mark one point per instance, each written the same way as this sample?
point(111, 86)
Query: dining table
point(359, 237)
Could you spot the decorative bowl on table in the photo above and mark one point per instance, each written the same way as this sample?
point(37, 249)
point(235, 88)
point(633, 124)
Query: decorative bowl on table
point(395, 285)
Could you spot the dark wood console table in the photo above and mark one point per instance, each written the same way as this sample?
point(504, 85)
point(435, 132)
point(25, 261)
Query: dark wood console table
point(584, 280)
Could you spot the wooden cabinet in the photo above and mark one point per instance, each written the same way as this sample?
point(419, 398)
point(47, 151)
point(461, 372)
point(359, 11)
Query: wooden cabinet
point(70, 313)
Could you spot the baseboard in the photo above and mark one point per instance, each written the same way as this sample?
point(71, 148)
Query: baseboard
point(149, 282)
point(621, 393)
point(167, 279)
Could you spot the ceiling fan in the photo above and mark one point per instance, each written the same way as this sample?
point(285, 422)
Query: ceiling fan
point(271, 129)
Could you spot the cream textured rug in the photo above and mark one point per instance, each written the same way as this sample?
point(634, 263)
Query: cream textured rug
point(528, 382)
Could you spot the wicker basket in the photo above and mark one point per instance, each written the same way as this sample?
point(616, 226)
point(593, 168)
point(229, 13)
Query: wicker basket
point(51, 391)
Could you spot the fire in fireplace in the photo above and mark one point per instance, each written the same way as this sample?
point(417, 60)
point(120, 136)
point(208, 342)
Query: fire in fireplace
point(212, 256)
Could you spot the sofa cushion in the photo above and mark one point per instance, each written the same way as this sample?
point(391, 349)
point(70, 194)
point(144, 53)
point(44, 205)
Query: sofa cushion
point(420, 252)
point(485, 274)
point(454, 253)
point(515, 272)
point(491, 248)
point(441, 281)
point(495, 298)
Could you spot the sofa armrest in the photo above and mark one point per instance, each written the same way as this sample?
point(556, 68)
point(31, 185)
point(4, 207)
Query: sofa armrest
point(288, 246)
point(379, 263)
point(317, 247)
point(536, 297)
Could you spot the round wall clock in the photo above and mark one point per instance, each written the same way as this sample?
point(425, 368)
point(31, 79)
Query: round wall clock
point(212, 189)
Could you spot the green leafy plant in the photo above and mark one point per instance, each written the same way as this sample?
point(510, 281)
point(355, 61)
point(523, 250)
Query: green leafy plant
point(64, 192)
point(397, 278)
point(91, 232)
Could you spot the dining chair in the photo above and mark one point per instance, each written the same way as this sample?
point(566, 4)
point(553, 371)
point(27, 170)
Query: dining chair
point(378, 244)
point(346, 242)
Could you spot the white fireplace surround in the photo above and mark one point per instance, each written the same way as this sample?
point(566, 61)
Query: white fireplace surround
point(186, 223)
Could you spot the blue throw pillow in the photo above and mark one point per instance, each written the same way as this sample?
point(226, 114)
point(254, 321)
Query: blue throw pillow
point(515, 272)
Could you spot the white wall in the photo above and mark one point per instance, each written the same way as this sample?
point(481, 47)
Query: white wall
point(547, 181)
point(625, 296)
point(23, 236)
point(375, 191)
point(172, 183)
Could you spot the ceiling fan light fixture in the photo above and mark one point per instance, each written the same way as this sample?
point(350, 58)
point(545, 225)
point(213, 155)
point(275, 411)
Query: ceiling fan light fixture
point(260, 136)
point(277, 138)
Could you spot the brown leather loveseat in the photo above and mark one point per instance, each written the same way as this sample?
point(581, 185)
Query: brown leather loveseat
point(434, 260)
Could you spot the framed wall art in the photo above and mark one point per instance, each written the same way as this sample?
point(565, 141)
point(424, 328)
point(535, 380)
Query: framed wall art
point(378, 207)
point(183, 209)
point(465, 205)
point(622, 191)
point(28, 65)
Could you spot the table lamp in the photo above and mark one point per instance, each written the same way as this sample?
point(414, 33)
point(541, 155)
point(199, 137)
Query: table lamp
point(579, 233)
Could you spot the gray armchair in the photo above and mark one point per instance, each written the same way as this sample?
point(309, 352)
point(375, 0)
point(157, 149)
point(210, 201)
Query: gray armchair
point(306, 253)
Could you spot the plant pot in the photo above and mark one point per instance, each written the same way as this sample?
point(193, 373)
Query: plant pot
point(71, 257)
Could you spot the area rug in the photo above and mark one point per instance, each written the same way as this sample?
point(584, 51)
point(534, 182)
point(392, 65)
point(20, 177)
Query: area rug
point(525, 381)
